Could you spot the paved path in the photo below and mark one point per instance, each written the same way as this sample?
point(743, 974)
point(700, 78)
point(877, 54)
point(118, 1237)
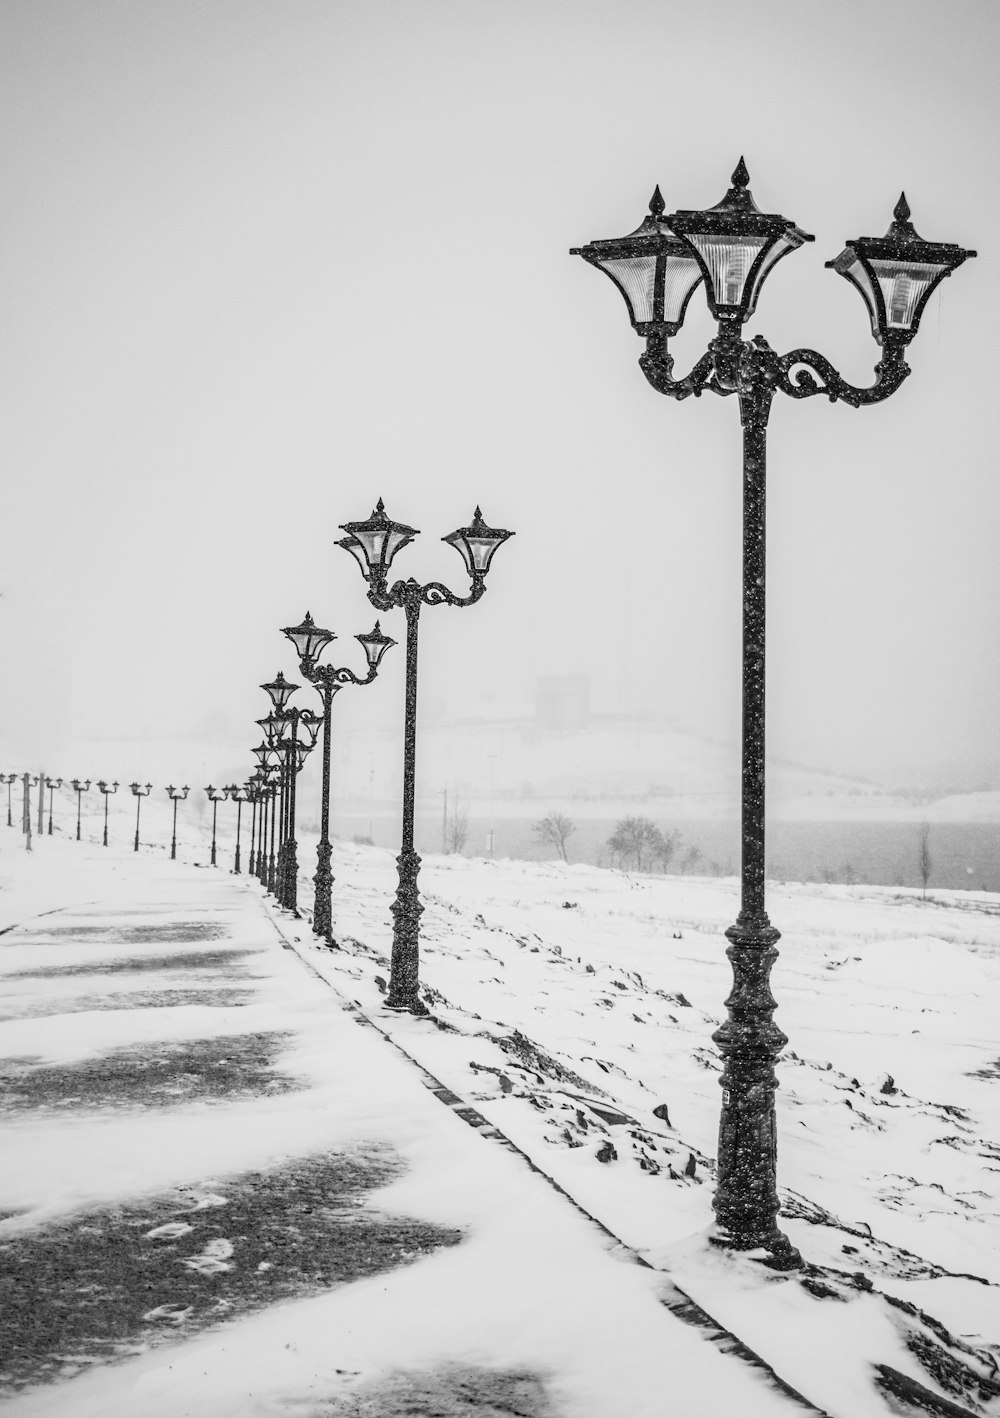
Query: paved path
point(222, 1194)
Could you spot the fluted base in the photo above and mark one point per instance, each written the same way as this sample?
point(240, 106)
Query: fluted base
point(322, 905)
point(404, 974)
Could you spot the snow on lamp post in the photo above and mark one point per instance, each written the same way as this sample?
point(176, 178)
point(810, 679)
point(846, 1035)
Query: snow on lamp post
point(107, 790)
point(52, 784)
point(732, 247)
point(373, 544)
point(310, 642)
point(238, 794)
point(176, 795)
point(139, 792)
point(215, 797)
point(79, 788)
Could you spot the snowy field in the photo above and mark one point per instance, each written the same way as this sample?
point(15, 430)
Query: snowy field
point(573, 1008)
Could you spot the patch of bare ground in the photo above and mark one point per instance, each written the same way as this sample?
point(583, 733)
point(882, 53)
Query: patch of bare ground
point(110, 1283)
point(229, 962)
point(123, 1000)
point(155, 1075)
point(454, 1391)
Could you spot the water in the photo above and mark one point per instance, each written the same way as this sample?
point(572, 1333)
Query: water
point(964, 855)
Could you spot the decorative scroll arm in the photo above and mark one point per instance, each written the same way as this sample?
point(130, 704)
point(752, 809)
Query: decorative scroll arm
point(657, 365)
point(890, 371)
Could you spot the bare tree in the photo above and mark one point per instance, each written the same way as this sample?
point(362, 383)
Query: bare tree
point(690, 859)
point(924, 855)
point(457, 830)
point(638, 838)
point(665, 847)
point(555, 829)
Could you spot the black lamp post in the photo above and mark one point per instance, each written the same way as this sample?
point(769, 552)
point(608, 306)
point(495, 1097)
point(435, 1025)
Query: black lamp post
point(373, 544)
point(107, 790)
point(215, 797)
point(79, 788)
point(52, 784)
point(139, 792)
point(10, 778)
point(176, 795)
point(732, 247)
point(253, 796)
point(238, 794)
point(310, 642)
point(267, 757)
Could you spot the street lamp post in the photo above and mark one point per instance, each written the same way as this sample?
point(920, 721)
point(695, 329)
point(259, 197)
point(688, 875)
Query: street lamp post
point(373, 544)
point(310, 641)
point(265, 756)
point(52, 784)
point(107, 790)
point(239, 793)
point(215, 797)
point(9, 780)
point(176, 795)
point(79, 788)
point(139, 792)
point(732, 247)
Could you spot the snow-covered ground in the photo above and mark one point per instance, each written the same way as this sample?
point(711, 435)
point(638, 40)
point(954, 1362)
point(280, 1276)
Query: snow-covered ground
point(573, 1008)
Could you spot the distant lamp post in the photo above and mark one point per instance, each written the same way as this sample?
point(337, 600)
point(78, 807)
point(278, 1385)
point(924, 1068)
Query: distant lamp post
point(9, 780)
point(732, 247)
point(238, 794)
point(373, 544)
point(79, 788)
point(215, 797)
point(310, 642)
point(107, 790)
point(176, 795)
point(139, 792)
point(52, 784)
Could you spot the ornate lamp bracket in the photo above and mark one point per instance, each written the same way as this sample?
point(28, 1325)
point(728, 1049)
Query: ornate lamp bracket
point(890, 371)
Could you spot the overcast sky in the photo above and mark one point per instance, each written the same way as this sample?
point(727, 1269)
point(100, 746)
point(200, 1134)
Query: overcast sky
point(266, 262)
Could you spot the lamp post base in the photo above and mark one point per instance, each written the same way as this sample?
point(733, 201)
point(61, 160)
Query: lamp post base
point(406, 910)
point(746, 1198)
point(322, 904)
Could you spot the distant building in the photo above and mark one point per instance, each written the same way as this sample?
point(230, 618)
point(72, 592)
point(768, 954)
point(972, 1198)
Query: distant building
point(562, 703)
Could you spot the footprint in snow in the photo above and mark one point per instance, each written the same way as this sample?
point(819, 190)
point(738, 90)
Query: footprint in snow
point(213, 1259)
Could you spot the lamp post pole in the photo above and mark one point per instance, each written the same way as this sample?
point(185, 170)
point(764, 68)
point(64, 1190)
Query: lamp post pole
point(310, 641)
point(139, 792)
point(732, 247)
point(107, 791)
point(215, 797)
point(176, 795)
point(11, 777)
point(373, 544)
point(79, 788)
point(52, 784)
point(239, 794)
point(252, 794)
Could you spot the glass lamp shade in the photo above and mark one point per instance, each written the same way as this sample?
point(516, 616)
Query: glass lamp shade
point(375, 645)
point(896, 274)
point(261, 752)
point(477, 543)
point(78, 787)
point(655, 273)
point(736, 245)
point(310, 724)
point(374, 543)
point(280, 691)
point(274, 727)
point(309, 640)
point(302, 752)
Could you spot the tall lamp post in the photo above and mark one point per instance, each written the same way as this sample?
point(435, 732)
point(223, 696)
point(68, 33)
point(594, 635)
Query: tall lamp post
point(238, 794)
point(310, 642)
point(139, 792)
point(52, 784)
point(79, 788)
point(215, 797)
point(107, 790)
point(373, 544)
point(9, 780)
point(732, 247)
point(176, 795)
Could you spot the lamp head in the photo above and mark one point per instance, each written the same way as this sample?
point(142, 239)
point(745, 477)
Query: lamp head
point(374, 543)
point(736, 246)
point(375, 645)
point(896, 275)
point(476, 544)
point(309, 640)
point(654, 271)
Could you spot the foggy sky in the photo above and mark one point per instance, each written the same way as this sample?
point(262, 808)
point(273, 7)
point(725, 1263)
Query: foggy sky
point(266, 262)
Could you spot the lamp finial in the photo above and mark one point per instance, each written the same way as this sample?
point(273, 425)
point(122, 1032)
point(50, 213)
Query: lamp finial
point(741, 178)
point(657, 205)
